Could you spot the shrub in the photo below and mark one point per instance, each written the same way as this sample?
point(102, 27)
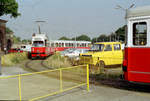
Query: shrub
point(13, 59)
point(57, 61)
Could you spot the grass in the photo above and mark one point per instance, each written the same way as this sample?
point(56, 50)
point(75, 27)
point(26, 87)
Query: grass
point(110, 76)
point(103, 76)
point(57, 61)
point(13, 59)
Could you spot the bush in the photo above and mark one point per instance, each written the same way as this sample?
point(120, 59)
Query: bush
point(57, 61)
point(13, 59)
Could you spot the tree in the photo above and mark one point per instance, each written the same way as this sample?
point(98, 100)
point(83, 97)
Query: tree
point(9, 7)
point(102, 38)
point(82, 38)
point(16, 39)
point(26, 41)
point(94, 40)
point(112, 37)
point(120, 33)
point(8, 30)
point(64, 38)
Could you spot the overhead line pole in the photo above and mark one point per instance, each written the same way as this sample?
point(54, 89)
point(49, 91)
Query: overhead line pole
point(39, 28)
point(126, 10)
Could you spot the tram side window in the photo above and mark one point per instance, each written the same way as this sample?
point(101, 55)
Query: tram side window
point(78, 45)
point(62, 44)
point(52, 45)
point(57, 45)
point(140, 33)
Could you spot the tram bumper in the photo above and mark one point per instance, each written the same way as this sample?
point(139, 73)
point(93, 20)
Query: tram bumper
point(38, 55)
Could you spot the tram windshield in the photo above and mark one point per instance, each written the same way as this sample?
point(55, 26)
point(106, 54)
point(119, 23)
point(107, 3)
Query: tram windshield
point(97, 47)
point(38, 44)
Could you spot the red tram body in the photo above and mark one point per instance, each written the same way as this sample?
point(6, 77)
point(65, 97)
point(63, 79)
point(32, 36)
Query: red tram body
point(40, 47)
point(136, 64)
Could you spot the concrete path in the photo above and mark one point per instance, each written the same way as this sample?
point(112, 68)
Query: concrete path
point(100, 93)
point(38, 85)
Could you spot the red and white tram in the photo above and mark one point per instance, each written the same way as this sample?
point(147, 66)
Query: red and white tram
point(136, 64)
point(40, 47)
point(61, 45)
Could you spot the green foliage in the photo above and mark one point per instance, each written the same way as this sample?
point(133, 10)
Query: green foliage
point(82, 37)
point(13, 59)
point(9, 7)
point(101, 38)
point(78, 38)
point(57, 61)
point(120, 32)
point(119, 35)
point(64, 38)
point(25, 41)
point(8, 30)
point(16, 39)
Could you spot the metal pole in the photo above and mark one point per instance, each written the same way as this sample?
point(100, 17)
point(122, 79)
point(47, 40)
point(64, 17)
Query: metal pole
point(19, 81)
point(39, 30)
point(61, 83)
point(39, 25)
point(0, 66)
point(87, 69)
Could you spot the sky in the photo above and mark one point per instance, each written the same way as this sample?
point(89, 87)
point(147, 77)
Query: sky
point(70, 18)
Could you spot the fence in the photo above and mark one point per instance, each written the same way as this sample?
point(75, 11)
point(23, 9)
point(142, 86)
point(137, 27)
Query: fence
point(40, 85)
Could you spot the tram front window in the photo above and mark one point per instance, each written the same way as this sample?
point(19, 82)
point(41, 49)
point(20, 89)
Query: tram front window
point(38, 44)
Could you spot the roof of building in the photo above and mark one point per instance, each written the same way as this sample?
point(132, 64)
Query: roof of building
point(139, 11)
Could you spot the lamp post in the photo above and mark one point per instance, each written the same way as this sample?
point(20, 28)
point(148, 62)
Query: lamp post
point(126, 10)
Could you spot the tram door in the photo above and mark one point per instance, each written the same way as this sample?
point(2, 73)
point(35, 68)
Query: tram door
point(138, 51)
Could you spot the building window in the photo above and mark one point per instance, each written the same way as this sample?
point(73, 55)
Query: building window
point(140, 33)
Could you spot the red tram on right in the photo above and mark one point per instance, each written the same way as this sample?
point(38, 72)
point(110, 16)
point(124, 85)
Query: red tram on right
point(136, 64)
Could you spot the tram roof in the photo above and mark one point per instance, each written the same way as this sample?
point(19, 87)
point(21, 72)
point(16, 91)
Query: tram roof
point(68, 41)
point(40, 36)
point(138, 12)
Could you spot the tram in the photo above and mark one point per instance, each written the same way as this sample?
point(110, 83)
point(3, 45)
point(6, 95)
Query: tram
point(61, 45)
point(136, 64)
point(40, 46)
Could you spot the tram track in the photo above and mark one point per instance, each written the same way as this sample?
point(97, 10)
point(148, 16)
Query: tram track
point(39, 66)
point(36, 65)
